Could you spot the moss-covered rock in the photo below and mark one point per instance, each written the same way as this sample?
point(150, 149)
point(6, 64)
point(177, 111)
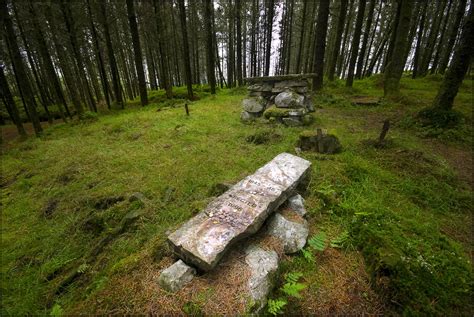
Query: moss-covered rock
point(274, 112)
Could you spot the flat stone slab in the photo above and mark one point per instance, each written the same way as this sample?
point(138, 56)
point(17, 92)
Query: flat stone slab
point(239, 212)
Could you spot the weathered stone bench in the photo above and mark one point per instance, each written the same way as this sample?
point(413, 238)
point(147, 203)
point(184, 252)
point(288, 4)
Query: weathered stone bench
point(239, 212)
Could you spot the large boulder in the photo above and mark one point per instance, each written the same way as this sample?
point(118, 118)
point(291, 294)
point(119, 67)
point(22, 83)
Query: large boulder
point(176, 276)
point(289, 99)
point(254, 105)
point(293, 234)
point(265, 86)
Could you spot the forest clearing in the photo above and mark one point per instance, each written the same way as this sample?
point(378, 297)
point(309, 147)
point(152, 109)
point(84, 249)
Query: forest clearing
point(119, 145)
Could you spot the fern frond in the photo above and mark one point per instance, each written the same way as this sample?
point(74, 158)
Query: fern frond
point(275, 306)
point(318, 242)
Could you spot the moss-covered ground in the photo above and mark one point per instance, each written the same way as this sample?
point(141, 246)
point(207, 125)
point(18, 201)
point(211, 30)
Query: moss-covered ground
point(73, 242)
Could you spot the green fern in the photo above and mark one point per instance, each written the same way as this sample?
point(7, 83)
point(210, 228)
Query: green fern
point(318, 242)
point(308, 256)
point(293, 277)
point(340, 241)
point(275, 306)
point(293, 289)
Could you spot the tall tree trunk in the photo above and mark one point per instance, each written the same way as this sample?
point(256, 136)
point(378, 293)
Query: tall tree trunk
point(253, 42)
point(80, 66)
point(355, 43)
point(320, 44)
point(337, 42)
point(230, 47)
point(137, 52)
point(459, 66)
point(393, 36)
point(100, 60)
point(302, 31)
point(394, 69)
point(117, 86)
point(12, 109)
point(418, 42)
point(429, 48)
point(360, 62)
point(19, 67)
point(441, 39)
point(187, 63)
point(269, 29)
point(238, 14)
point(48, 63)
point(211, 74)
point(162, 48)
point(452, 36)
point(347, 28)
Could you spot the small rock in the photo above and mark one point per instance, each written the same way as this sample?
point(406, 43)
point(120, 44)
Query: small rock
point(296, 112)
point(293, 121)
point(289, 99)
point(176, 276)
point(254, 105)
point(301, 90)
point(262, 265)
point(324, 143)
point(292, 234)
point(296, 203)
point(247, 116)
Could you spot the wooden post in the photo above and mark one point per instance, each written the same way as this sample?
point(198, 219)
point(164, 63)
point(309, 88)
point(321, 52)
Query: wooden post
point(187, 109)
point(386, 126)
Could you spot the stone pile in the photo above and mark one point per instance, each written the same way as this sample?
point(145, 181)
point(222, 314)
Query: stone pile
point(265, 199)
point(284, 99)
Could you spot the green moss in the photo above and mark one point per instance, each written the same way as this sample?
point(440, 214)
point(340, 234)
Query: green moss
point(274, 112)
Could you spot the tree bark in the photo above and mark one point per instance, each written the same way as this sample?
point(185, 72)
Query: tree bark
point(320, 44)
point(394, 69)
point(117, 86)
point(137, 52)
point(355, 43)
point(452, 37)
point(269, 29)
point(19, 67)
point(187, 63)
point(337, 42)
point(10, 103)
point(211, 74)
point(238, 14)
point(360, 62)
point(459, 66)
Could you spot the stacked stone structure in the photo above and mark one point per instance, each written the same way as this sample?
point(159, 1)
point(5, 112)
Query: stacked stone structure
point(284, 99)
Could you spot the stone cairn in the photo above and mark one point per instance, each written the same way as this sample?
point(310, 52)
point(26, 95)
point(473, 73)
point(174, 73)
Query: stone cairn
point(284, 99)
point(262, 205)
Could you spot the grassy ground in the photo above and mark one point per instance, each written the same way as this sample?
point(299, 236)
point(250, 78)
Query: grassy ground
point(73, 242)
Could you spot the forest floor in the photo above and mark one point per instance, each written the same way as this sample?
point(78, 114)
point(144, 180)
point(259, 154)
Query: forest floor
point(72, 242)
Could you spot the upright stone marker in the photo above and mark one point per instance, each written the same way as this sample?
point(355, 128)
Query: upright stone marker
point(239, 212)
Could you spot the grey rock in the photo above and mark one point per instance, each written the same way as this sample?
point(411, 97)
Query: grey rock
point(296, 203)
point(308, 104)
point(289, 99)
point(296, 112)
point(261, 87)
point(176, 276)
point(292, 234)
point(293, 121)
point(247, 116)
point(262, 265)
point(254, 105)
point(301, 90)
point(291, 83)
point(137, 196)
point(255, 93)
point(239, 212)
